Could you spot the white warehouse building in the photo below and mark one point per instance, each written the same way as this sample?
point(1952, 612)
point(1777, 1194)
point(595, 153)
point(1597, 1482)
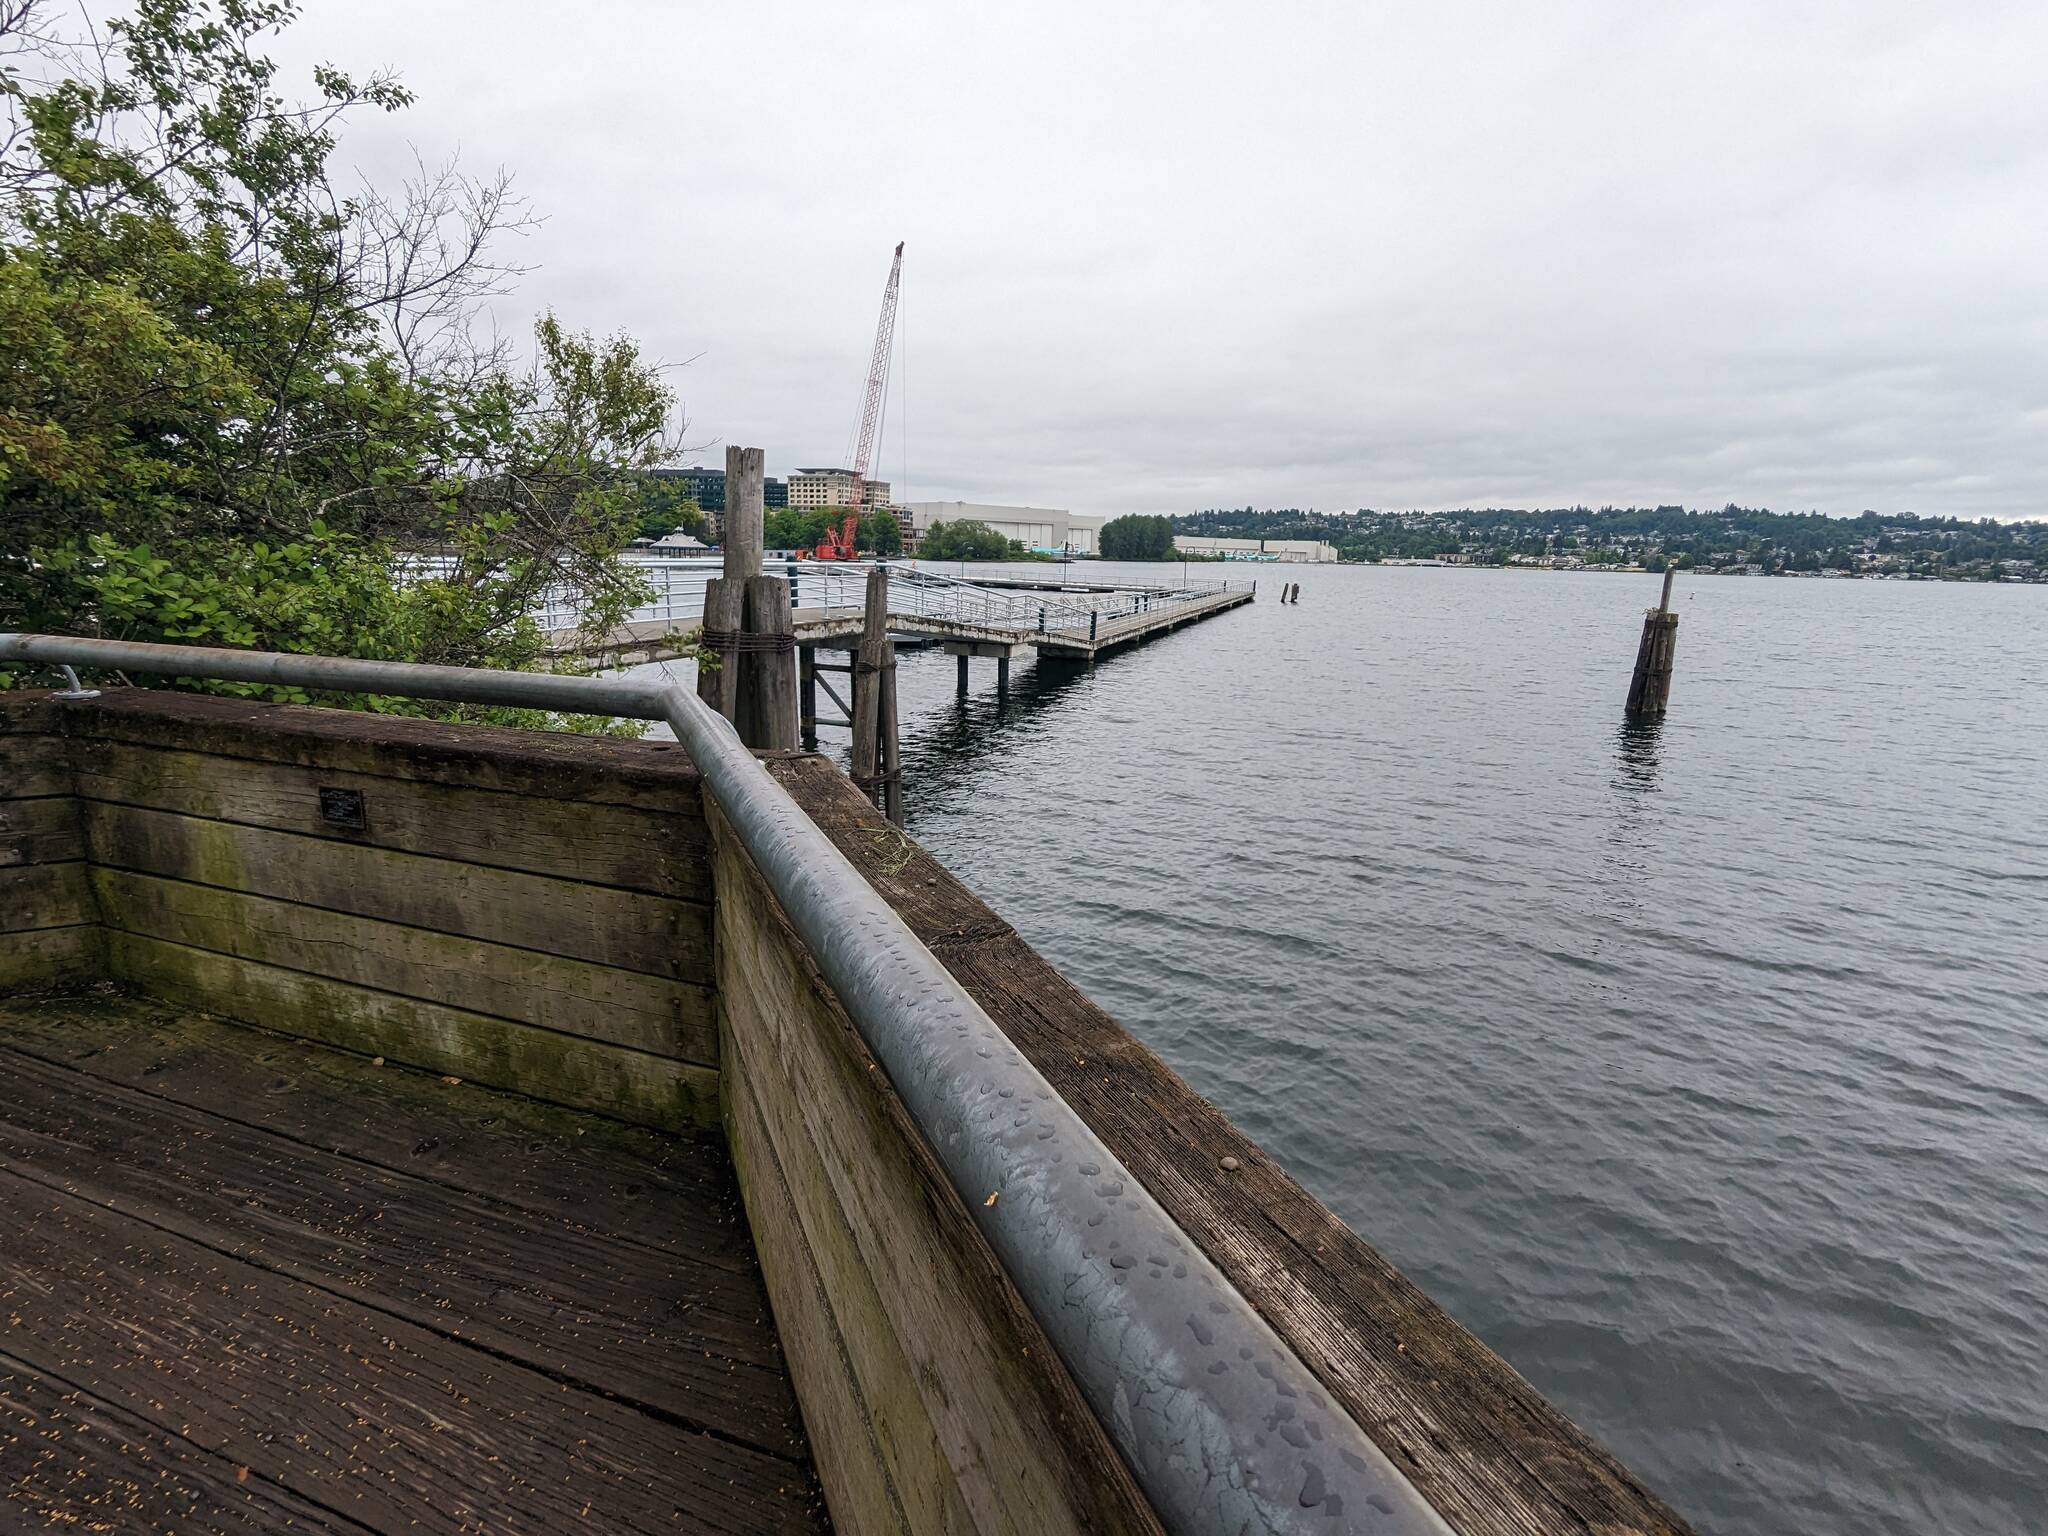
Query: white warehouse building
point(1284, 551)
point(1049, 529)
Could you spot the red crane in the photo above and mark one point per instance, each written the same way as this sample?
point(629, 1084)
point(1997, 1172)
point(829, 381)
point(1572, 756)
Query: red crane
point(878, 382)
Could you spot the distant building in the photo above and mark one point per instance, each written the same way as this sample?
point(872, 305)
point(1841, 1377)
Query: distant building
point(1287, 551)
point(810, 488)
point(679, 543)
point(1049, 530)
point(706, 487)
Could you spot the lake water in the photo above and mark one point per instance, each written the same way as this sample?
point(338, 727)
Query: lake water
point(1701, 1070)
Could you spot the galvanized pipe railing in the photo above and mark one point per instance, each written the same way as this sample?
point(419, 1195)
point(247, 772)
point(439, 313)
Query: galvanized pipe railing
point(1226, 1429)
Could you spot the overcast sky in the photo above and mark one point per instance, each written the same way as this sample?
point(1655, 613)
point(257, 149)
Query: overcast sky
point(1172, 256)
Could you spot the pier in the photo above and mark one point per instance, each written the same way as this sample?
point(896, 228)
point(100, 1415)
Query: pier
point(1000, 617)
point(405, 1121)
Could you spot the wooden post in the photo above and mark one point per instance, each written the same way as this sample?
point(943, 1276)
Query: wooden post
point(767, 705)
point(868, 665)
point(1649, 688)
point(745, 512)
point(962, 659)
point(1002, 674)
point(890, 762)
point(761, 690)
point(807, 695)
point(718, 685)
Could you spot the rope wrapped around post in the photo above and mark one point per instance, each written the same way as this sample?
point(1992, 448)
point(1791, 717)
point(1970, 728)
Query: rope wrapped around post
point(727, 642)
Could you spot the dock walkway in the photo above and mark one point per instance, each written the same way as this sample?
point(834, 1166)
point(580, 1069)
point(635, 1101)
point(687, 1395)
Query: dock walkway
point(976, 620)
point(255, 1285)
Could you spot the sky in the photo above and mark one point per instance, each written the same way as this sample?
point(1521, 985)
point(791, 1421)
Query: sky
point(1167, 257)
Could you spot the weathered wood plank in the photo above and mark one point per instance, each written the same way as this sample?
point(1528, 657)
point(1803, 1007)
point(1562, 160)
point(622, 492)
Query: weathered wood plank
point(349, 1407)
point(32, 766)
point(44, 830)
point(45, 958)
point(631, 1085)
point(629, 929)
point(28, 712)
point(45, 896)
point(838, 1423)
point(660, 852)
point(597, 1002)
point(653, 775)
point(676, 1193)
point(69, 1461)
point(917, 1481)
point(1020, 1444)
point(1479, 1441)
point(460, 1265)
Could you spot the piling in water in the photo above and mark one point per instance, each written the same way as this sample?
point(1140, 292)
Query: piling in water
point(1649, 689)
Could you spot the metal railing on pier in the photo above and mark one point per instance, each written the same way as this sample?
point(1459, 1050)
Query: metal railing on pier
point(918, 591)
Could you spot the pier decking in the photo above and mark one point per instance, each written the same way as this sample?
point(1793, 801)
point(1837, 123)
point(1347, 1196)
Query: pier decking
point(553, 1064)
point(251, 1284)
point(997, 616)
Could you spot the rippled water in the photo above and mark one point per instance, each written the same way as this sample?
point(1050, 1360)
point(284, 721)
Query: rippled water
point(1702, 1070)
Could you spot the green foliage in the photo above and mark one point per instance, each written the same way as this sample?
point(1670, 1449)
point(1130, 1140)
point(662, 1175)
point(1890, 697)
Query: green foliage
point(881, 534)
point(1137, 538)
point(240, 408)
point(797, 527)
point(966, 540)
point(1928, 545)
point(663, 507)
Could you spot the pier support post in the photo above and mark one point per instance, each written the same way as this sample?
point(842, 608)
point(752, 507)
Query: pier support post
point(875, 767)
point(1649, 689)
point(962, 659)
point(762, 688)
point(718, 677)
point(768, 707)
point(806, 693)
point(1002, 673)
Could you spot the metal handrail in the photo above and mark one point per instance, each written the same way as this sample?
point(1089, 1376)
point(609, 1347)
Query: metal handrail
point(1190, 1382)
point(678, 597)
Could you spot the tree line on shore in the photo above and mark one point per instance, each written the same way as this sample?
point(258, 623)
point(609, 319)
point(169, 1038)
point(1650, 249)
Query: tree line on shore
point(1651, 535)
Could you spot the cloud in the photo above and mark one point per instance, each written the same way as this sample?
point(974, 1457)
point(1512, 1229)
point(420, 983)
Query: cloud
point(1170, 256)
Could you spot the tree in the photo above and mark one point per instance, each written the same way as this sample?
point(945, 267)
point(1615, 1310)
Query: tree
point(665, 508)
point(1133, 537)
point(797, 527)
point(239, 405)
point(881, 534)
point(967, 540)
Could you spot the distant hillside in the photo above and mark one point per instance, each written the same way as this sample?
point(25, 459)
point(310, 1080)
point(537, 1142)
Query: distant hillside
point(1651, 535)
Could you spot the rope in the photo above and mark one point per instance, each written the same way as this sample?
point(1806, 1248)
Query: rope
point(728, 641)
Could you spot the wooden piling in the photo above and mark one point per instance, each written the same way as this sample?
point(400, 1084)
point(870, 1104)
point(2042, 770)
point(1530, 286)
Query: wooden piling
point(745, 511)
point(962, 659)
point(761, 689)
point(806, 691)
point(767, 709)
point(868, 666)
point(890, 764)
point(1649, 688)
point(718, 677)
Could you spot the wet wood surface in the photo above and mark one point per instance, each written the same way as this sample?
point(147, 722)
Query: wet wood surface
point(253, 1285)
point(1478, 1441)
point(953, 1413)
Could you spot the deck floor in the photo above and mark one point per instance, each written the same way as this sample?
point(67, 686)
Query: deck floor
point(252, 1285)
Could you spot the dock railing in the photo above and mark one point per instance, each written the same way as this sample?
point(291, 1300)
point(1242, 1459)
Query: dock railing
point(838, 587)
point(1180, 1368)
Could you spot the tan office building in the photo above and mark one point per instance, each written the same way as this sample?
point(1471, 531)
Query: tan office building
point(833, 488)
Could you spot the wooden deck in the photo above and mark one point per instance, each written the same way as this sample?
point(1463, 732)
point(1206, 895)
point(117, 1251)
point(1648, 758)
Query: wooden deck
point(253, 1285)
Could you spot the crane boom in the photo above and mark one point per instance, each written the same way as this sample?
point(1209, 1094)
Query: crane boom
point(878, 379)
